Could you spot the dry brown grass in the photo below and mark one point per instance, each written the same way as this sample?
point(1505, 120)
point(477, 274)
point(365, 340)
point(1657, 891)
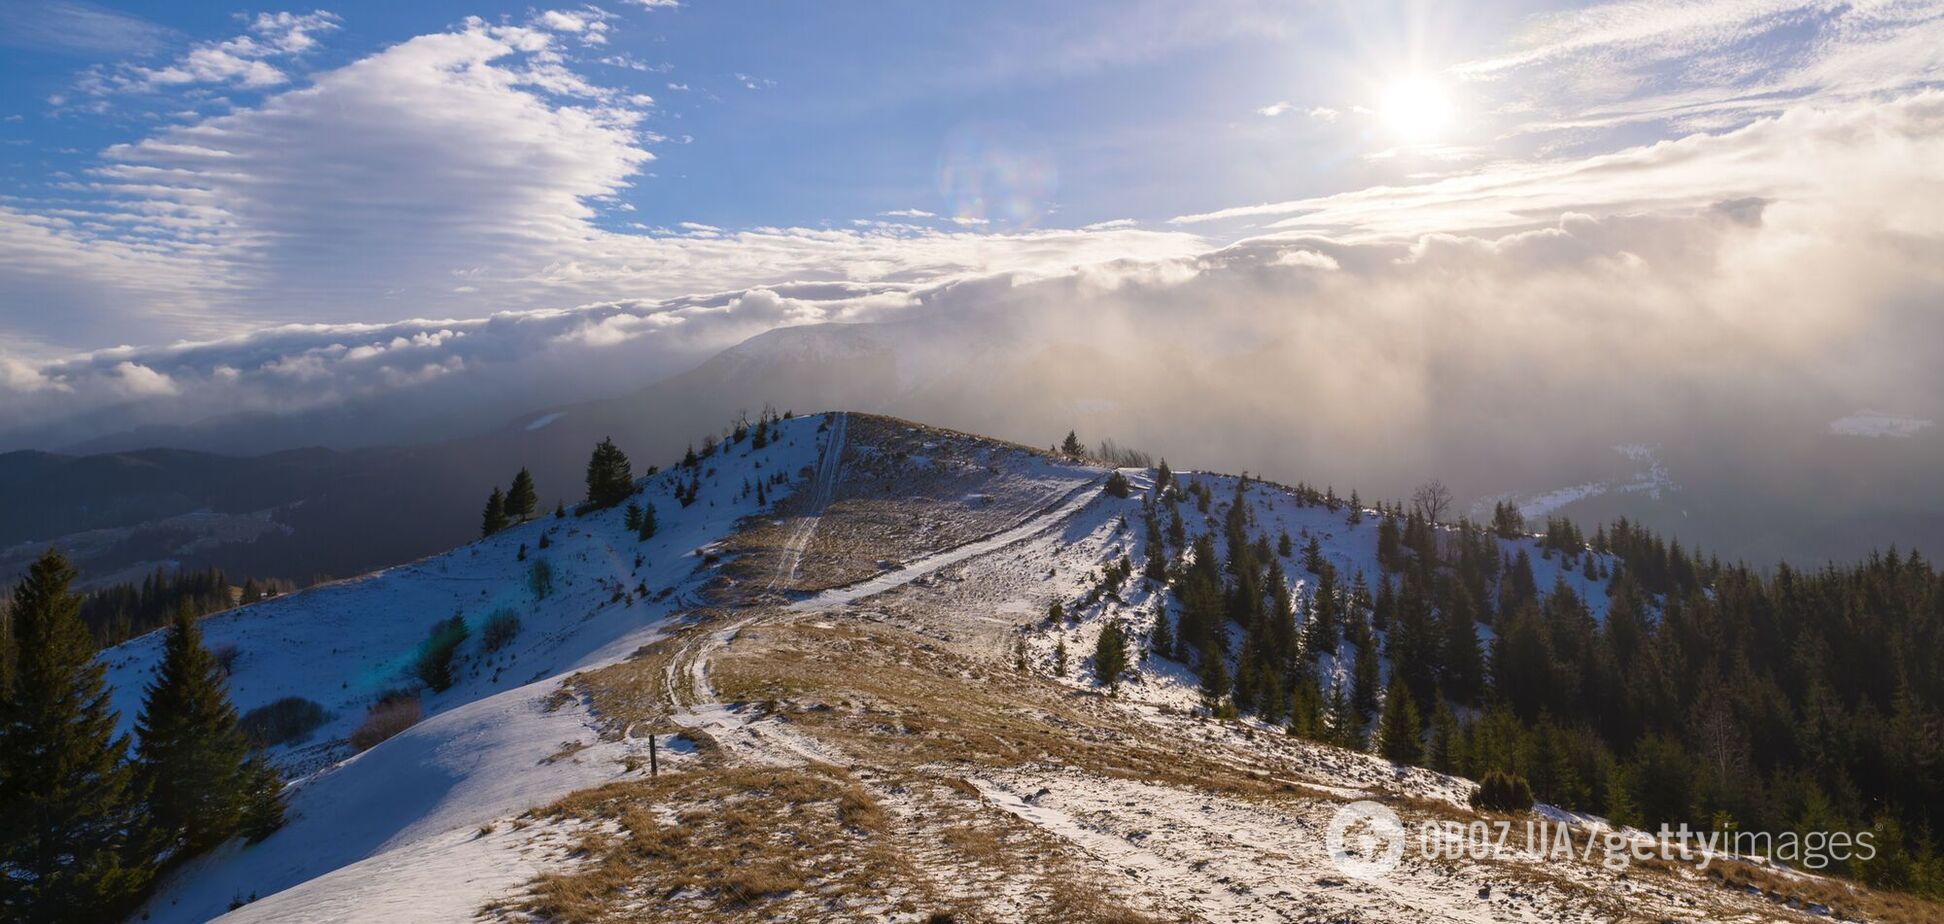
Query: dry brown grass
point(714, 846)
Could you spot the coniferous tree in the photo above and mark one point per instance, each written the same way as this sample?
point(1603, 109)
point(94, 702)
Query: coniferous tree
point(646, 529)
point(494, 519)
point(631, 518)
point(520, 497)
point(1397, 732)
point(1442, 755)
point(1110, 655)
point(66, 793)
point(610, 479)
point(1365, 675)
point(1060, 657)
point(1346, 727)
point(191, 758)
point(1117, 485)
point(1163, 477)
point(1071, 446)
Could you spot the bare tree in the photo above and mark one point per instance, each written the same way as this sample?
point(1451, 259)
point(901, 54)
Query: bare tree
point(1431, 500)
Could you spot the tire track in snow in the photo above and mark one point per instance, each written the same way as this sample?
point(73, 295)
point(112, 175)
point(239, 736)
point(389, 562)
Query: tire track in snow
point(829, 467)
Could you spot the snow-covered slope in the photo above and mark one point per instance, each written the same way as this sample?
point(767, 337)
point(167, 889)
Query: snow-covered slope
point(483, 750)
point(860, 633)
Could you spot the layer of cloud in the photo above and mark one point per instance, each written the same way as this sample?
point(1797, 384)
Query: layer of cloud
point(453, 174)
point(1709, 64)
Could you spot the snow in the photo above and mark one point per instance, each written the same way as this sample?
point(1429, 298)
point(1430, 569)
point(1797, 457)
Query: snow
point(362, 826)
point(544, 419)
point(1879, 424)
point(420, 826)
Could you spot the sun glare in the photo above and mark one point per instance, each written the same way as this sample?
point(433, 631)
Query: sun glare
point(1417, 108)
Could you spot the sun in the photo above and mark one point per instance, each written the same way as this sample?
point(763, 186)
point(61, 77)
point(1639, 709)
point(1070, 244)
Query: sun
point(1417, 108)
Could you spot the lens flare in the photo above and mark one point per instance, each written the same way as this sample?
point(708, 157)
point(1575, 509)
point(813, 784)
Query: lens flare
point(997, 174)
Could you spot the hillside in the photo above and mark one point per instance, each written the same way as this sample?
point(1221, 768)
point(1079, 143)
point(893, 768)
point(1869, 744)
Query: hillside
point(860, 712)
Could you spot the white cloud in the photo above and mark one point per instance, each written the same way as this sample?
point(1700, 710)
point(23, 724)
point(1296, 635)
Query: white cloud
point(1709, 64)
point(908, 213)
point(1787, 156)
point(243, 61)
point(1323, 114)
point(1277, 108)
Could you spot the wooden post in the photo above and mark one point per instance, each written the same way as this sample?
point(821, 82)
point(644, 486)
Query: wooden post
point(654, 767)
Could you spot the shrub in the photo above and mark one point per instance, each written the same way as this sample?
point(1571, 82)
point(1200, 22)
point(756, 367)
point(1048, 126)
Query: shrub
point(390, 716)
point(540, 578)
point(1502, 792)
point(500, 628)
point(226, 655)
point(1117, 485)
point(290, 719)
point(434, 664)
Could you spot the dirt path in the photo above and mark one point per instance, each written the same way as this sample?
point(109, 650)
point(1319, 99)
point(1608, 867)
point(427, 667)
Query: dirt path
point(695, 703)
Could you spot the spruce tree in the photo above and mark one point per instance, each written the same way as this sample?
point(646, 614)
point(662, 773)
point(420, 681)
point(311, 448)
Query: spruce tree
point(1443, 753)
point(1397, 732)
point(631, 519)
point(1365, 675)
point(190, 756)
point(521, 498)
point(66, 793)
point(610, 478)
point(1346, 727)
point(646, 530)
point(1110, 655)
point(1071, 446)
point(494, 519)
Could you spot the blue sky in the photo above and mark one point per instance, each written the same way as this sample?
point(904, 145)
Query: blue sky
point(786, 114)
point(195, 174)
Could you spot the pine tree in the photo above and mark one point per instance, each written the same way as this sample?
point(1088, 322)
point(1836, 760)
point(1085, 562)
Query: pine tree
point(1163, 477)
point(1110, 655)
point(1397, 732)
point(646, 530)
point(1442, 755)
point(1364, 673)
point(1214, 672)
point(191, 756)
point(1060, 658)
point(1356, 509)
point(521, 498)
point(65, 791)
point(610, 478)
point(494, 519)
point(1346, 727)
point(631, 518)
point(1117, 485)
point(1071, 446)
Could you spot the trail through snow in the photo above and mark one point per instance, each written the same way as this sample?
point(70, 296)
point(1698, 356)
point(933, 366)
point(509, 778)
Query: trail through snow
point(828, 470)
point(773, 742)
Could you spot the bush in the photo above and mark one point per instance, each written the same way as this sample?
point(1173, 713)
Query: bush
point(1502, 792)
point(540, 578)
point(226, 655)
point(390, 716)
point(1117, 485)
point(287, 720)
point(434, 664)
point(500, 628)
